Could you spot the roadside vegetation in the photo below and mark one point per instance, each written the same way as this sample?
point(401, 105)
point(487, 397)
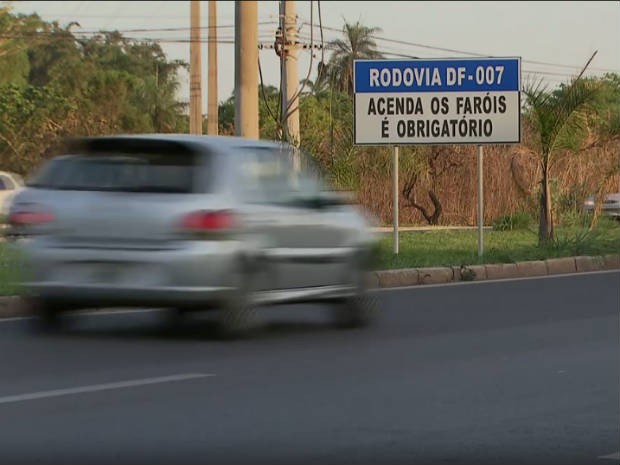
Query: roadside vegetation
point(455, 248)
point(57, 82)
point(9, 270)
point(442, 247)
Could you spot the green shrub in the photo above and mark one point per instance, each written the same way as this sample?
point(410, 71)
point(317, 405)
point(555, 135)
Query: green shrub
point(578, 239)
point(513, 222)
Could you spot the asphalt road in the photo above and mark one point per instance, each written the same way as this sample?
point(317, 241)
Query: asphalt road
point(504, 372)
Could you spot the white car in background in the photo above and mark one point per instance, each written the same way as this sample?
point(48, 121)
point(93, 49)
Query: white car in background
point(609, 207)
point(10, 183)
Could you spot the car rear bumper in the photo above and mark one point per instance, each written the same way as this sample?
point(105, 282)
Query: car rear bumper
point(79, 295)
point(190, 274)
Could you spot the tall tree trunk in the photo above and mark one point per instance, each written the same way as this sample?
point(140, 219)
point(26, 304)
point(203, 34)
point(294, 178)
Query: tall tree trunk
point(546, 231)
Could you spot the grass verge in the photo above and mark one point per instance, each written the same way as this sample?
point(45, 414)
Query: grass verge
point(454, 248)
point(443, 248)
point(9, 270)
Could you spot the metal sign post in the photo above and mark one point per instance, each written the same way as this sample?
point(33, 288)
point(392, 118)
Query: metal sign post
point(480, 202)
point(395, 198)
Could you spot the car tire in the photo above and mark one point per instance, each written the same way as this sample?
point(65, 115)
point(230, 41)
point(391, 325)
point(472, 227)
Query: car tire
point(173, 319)
point(46, 316)
point(358, 310)
point(237, 316)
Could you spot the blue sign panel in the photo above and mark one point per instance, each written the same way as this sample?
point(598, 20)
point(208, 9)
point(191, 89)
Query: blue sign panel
point(460, 75)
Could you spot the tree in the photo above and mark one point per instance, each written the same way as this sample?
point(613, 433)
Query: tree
point(320, 86)
point(358, 43)
point(53, 53)
point(14, 65)
point(140, 72)
point(32, 119)
point(429, 165)
point(560, 120)
point(54, 84)
point(606, 134)
point(607, 109)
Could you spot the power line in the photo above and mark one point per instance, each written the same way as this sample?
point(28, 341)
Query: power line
point(318, 4)
point(322, 28)
point(401, 54)
point(268, 44)
point(462, 52)
point(131, 31)
point(264, 96)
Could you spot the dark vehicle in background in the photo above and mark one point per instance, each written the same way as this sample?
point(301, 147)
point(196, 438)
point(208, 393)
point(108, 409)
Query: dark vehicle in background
point(189, 223)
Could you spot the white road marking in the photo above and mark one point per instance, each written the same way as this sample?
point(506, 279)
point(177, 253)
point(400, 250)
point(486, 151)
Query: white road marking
point(101, 387)
point(614, 456)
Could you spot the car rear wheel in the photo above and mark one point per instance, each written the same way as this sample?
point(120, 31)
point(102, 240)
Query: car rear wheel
point(237, 316)
point(355, 312)
point(173, 319)
point(358, 310)
point(46, 315)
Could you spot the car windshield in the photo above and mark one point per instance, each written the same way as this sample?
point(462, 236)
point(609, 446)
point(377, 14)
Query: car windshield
point(137, 172)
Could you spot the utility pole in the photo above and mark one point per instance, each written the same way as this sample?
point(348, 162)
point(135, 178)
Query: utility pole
point(195, 71)
point(246, 68)
point(288, 52)
point(212, 98)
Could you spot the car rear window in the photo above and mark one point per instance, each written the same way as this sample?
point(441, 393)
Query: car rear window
point(135, 170)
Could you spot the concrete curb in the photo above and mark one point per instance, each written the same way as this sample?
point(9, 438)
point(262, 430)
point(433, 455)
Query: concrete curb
point(551, 266)
point(11, 306)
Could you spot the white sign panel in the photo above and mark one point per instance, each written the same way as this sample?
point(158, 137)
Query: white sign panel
point(465, 101)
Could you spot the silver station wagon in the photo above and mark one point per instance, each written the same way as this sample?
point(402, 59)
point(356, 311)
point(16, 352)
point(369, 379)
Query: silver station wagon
point(188, 223)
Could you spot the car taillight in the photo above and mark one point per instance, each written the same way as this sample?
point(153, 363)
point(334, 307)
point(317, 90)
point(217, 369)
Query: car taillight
point(208, 221)
point(30, 218)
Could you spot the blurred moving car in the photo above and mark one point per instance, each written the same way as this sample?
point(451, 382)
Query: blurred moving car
point(189, 222)
point(610, 205)
point(10, 183)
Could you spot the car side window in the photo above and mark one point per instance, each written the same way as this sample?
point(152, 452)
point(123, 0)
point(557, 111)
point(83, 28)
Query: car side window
point(269, 177)
point(265, 176)
point(4, 183)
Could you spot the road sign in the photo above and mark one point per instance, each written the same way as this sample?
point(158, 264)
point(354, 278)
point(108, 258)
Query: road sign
point(442, 101)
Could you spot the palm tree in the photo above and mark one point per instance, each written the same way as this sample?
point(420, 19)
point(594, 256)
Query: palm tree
point(560, 122)
point(321, 85)
point(358, 43)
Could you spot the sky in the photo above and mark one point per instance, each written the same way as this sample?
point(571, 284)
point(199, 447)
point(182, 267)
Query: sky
point(553, 39)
